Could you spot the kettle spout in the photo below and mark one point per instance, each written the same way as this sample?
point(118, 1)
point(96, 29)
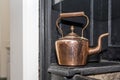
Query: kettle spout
point(97, 49)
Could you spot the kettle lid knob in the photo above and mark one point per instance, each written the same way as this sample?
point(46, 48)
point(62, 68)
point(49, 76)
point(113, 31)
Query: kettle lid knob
point(72, 29)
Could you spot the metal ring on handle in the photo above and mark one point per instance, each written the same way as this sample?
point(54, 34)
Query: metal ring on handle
point(74, 14)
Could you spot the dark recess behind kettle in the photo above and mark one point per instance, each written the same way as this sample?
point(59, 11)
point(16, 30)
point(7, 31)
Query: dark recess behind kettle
point(100, 22)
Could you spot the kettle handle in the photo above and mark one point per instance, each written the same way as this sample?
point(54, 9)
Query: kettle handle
point(72, 14)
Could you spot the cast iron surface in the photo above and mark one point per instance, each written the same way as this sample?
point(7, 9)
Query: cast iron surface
point(79, 77)
point(89, 69)
point(75, 77)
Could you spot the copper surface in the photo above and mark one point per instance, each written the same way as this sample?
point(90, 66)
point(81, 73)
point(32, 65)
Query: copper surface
point(97, 49)
point(72, 14)
point(73, 50)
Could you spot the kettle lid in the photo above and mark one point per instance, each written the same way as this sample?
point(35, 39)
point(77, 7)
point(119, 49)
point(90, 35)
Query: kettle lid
point(72, 34)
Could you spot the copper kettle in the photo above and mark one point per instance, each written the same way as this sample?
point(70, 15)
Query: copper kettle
point(73, 50)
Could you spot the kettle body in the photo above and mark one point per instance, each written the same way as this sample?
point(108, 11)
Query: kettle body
point(72, 52)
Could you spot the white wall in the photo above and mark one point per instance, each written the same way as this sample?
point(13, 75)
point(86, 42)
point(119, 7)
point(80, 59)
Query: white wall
point(24, 39)
point(4, 35)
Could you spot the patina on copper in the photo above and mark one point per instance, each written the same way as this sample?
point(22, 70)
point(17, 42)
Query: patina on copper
point(73, 50)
